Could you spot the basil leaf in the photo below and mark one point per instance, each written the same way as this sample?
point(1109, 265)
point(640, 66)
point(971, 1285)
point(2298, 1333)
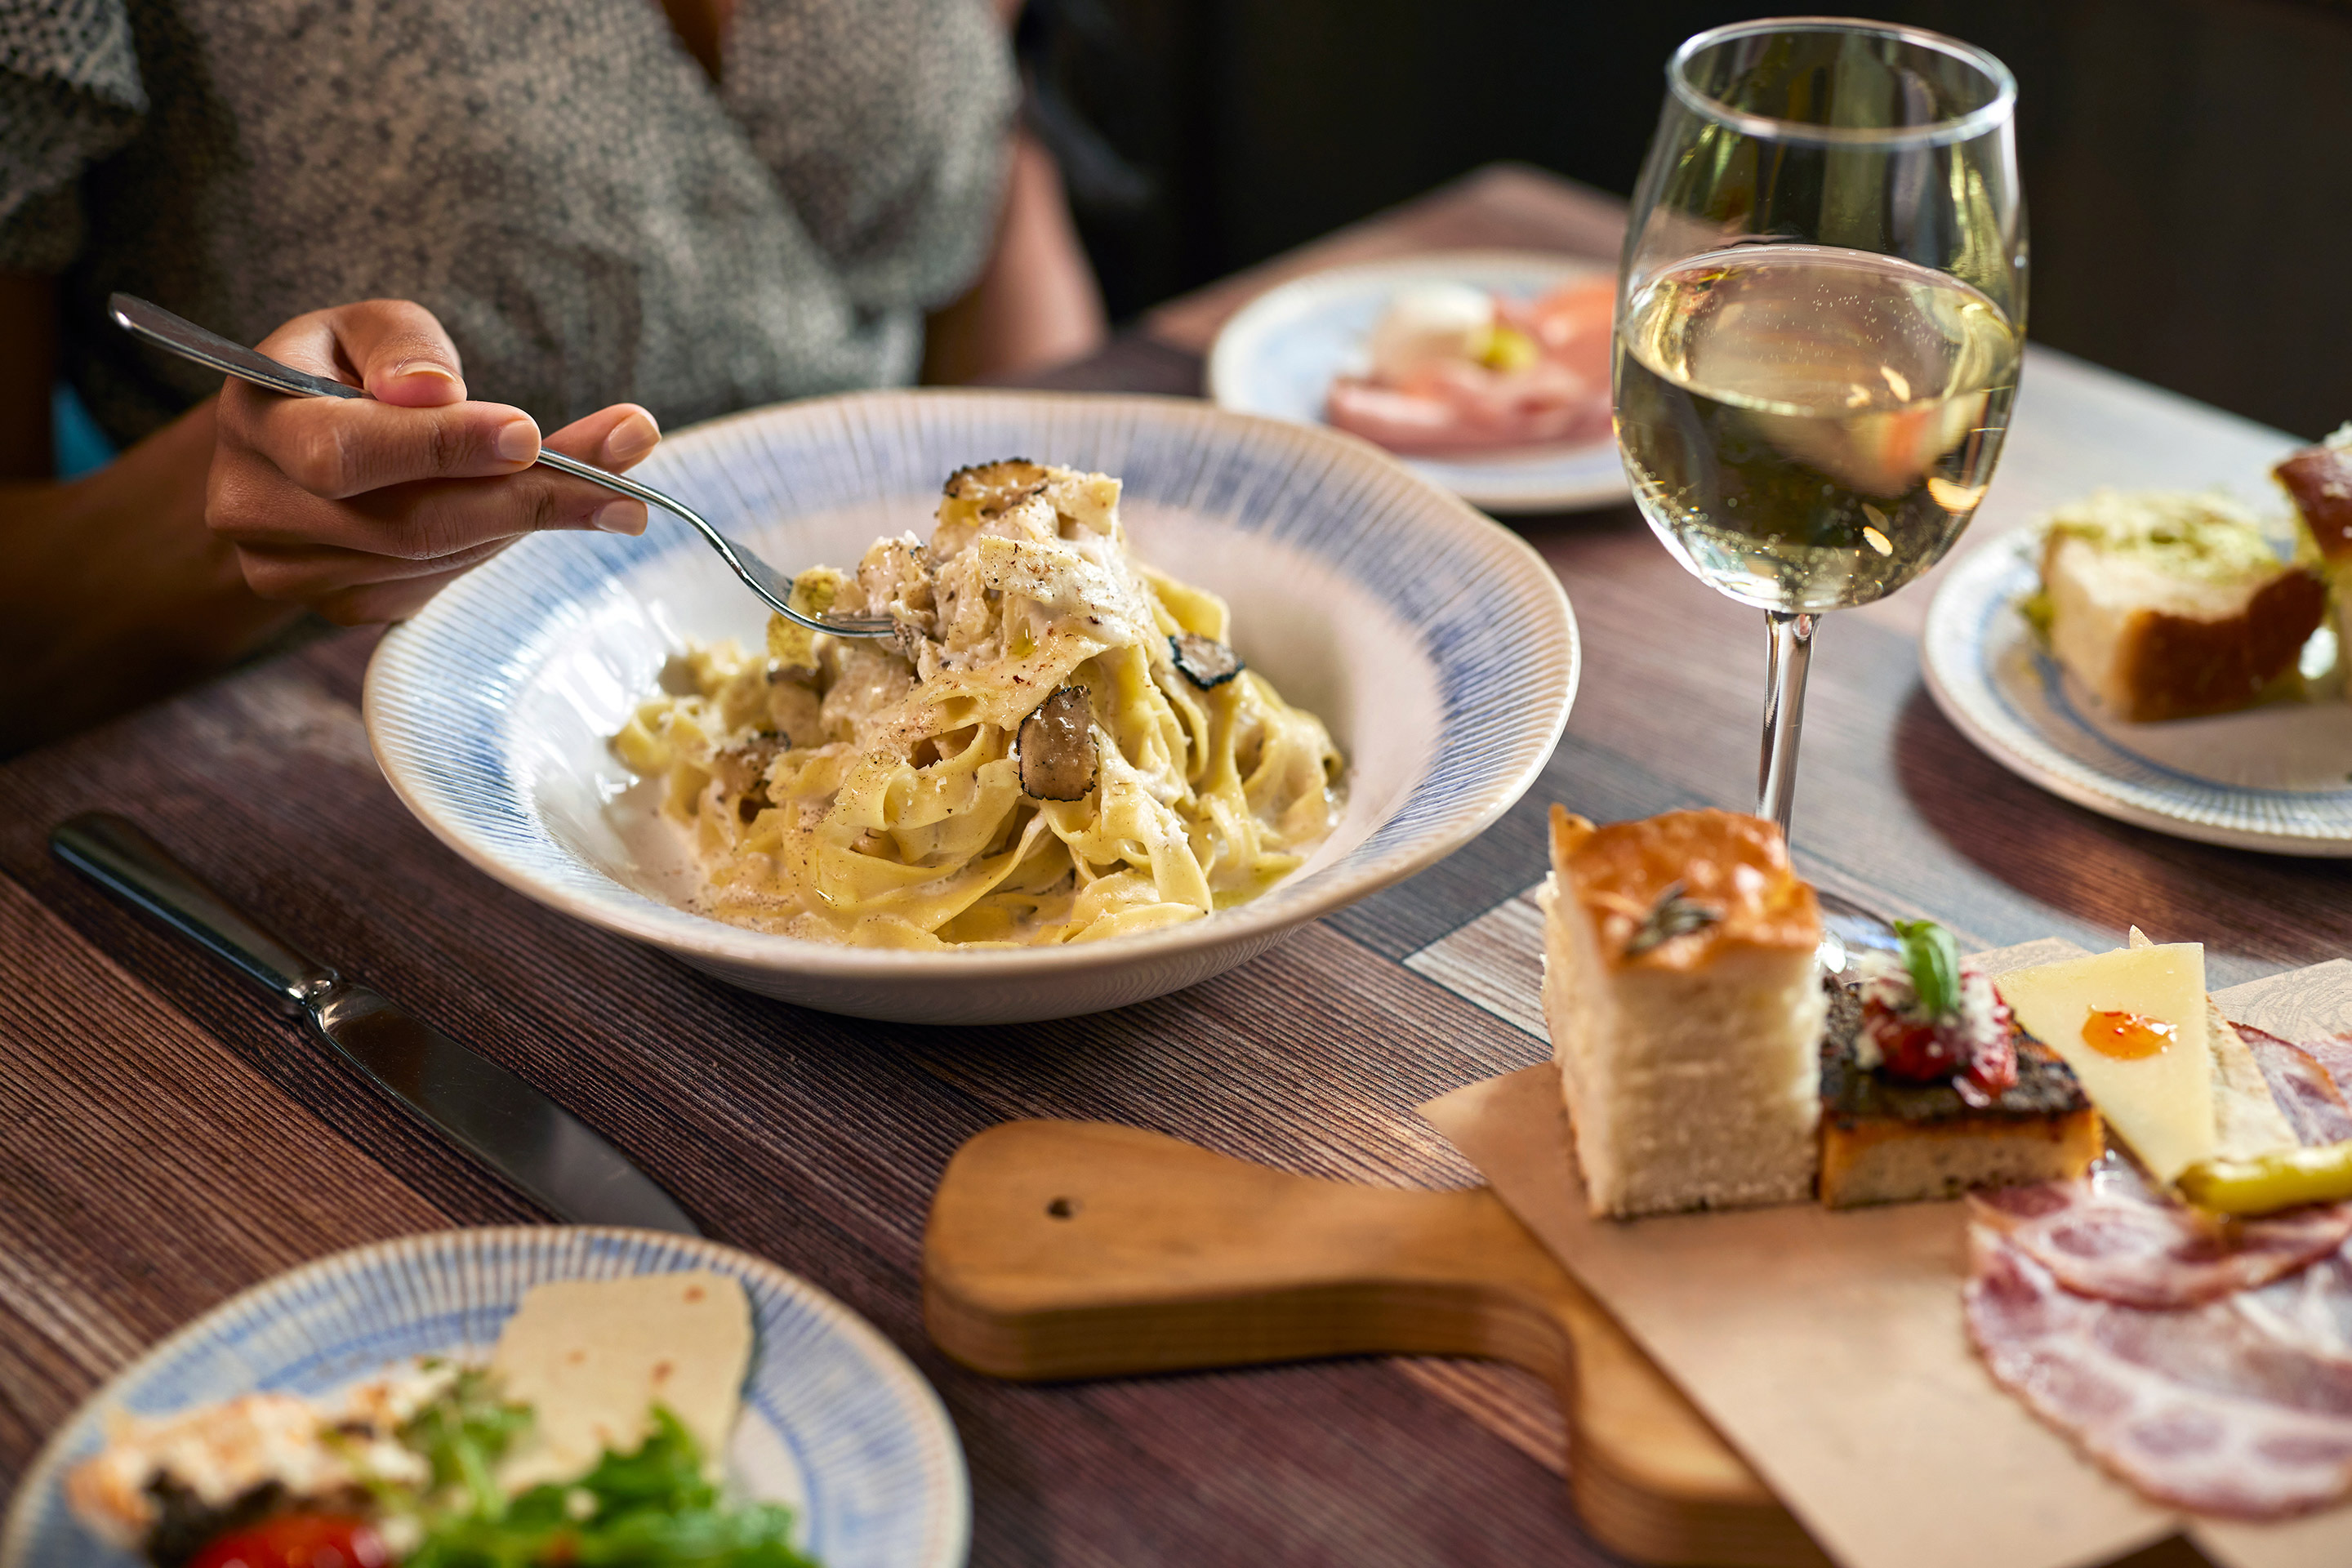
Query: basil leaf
point(1933, 957)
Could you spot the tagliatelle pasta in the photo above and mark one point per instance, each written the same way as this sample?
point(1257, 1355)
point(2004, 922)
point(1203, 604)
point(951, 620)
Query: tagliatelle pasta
point(1059, 746)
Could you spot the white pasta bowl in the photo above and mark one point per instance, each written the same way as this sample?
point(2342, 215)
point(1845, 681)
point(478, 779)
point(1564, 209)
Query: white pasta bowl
point(1437, 647)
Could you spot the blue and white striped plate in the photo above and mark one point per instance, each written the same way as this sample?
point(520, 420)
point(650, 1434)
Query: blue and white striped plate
point(1279, 352)
point(835, 1422)
point(2277, 778)
point(1437, 644)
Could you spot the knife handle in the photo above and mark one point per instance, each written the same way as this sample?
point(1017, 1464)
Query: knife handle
point(119, 855)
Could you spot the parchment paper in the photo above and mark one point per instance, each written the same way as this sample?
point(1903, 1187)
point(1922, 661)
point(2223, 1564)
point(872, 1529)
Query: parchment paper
point(1829, 1350)
point(2301, 1006)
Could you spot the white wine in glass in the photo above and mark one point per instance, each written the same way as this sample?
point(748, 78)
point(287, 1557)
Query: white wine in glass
point(1820, 320)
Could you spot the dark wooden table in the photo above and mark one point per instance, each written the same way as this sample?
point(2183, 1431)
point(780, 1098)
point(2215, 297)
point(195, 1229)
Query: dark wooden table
point(166, 1139)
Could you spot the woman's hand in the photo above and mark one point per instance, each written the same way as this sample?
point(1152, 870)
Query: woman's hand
point(362, 511)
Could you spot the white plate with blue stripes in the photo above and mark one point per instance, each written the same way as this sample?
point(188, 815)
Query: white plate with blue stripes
point(2275, 778)
point(1279, 352)
point(1437, 647)
point(836, 1424)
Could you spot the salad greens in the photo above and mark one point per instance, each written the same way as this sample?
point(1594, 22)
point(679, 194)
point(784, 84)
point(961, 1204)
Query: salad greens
point(650, 1508)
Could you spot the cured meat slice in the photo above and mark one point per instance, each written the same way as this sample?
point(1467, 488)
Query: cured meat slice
point(2334, 1054)
point(2305, 1086)
point(1468, 408)
point(2203, 1407)
point(1460, 404)
point(2109, 1236)
point(2310, 1309)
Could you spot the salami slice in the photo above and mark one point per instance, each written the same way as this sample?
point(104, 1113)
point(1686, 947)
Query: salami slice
point(2304, 1085)
point(2209, 1408)
point(2110, 1236)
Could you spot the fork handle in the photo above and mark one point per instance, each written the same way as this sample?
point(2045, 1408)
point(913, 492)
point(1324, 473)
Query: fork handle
point(151, 323)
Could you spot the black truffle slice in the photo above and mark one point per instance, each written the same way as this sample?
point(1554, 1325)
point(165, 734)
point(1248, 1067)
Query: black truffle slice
point(1057, 747)
point(993, 487)
point(1205, 661)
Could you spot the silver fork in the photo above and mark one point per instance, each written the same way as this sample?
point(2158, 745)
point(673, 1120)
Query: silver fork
point(153, 324)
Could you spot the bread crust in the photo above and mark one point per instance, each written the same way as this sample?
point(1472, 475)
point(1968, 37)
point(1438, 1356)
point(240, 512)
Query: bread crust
point(2177, 667)
point(1732, 865)
point(2320, 480)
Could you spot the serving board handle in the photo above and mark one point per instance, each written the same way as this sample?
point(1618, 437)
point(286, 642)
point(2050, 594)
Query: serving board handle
point(1070, 1249)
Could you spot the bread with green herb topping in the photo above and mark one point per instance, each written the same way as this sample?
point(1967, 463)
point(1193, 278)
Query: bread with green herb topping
point(2168, 606)
point(1888, 1140)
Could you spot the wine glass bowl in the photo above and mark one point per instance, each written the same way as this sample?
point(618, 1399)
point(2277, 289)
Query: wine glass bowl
point(1821, 314)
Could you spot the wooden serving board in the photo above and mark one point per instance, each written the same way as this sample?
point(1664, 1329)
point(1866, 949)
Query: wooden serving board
point(1074, 1249)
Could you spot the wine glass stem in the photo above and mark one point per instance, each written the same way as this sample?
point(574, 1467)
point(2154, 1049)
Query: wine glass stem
point(1789, 656)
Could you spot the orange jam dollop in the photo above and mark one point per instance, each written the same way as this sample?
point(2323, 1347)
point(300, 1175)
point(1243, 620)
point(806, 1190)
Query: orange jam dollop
point(2127, 1037)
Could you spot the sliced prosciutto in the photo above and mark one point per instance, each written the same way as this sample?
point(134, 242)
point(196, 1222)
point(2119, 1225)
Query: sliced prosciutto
point(1470, 408)
point(2209, 1408)
point(2109, 1236)
point(1427, 403)
point(2304, 1085)
point(2334, 1054)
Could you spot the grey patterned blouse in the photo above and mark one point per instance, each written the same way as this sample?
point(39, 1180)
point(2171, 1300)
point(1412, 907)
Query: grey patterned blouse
point(557, 180)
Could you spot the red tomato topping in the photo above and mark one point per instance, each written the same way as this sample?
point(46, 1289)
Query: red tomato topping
point(298, 1540)
point(1934, 1050)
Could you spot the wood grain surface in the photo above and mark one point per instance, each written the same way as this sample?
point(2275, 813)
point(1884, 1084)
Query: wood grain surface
point(166, 1139)
point(1060, 1249)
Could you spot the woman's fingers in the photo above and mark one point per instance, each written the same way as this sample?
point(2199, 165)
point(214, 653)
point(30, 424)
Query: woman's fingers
point(617, 439)
point(415, 424)
point(371, 603)
point(394, 348)
point(334, 447)
point(311, 571)
point(362, 508)
point(252, 504)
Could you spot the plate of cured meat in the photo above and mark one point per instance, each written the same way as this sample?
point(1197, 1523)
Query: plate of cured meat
point(1485, 372)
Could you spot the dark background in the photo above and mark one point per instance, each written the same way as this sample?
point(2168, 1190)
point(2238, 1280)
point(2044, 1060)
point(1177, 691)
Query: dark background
point(2188, 162)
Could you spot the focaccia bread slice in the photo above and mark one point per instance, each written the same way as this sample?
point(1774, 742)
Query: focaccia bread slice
point(1685, 1005)
point(2168, 606)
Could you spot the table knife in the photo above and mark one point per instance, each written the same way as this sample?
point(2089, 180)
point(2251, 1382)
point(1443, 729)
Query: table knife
point(496, 1117)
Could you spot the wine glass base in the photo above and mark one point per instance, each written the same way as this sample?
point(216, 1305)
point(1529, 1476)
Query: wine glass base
point(1848, 930)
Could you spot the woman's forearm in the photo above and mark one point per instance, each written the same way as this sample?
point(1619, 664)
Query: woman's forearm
point(117, 592)
point(1036, 302)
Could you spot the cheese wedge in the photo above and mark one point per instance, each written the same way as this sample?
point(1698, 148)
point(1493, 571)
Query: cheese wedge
point(2247, 1123)
point(2160, 1104)
point(592, 1356)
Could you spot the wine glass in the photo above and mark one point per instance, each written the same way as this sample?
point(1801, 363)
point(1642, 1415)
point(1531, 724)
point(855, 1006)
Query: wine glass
point(1820, 316)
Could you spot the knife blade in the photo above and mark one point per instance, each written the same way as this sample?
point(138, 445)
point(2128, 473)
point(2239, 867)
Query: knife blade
point(502, 1122)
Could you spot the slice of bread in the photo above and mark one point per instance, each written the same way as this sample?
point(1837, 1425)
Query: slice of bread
point(1888, 1142)
point(2166, 606)
point(2319, 479)
point(1685, 1007)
